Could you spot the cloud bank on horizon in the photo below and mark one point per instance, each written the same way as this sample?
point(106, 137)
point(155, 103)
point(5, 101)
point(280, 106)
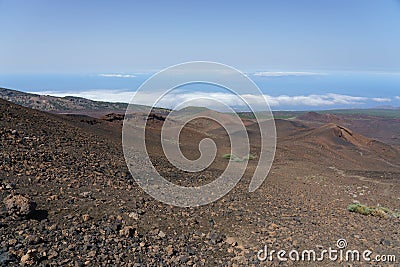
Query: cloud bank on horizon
point(116, 75)
point(202, 99)
point(285, 73)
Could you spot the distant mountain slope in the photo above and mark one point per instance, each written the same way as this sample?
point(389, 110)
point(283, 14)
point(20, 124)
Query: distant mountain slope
point(334, 144)
point(69, 104)
point(52, 103)
point(318, 117)
point(385, 129)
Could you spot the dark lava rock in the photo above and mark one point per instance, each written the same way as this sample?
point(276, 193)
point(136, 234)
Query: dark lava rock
point(19, 205)
point(6, 258)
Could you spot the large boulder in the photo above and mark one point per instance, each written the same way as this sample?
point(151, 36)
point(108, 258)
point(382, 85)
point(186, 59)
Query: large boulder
point(19, 205)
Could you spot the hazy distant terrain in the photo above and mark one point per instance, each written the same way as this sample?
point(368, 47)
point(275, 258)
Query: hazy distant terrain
point(67, 104)
point(52, 103)
point(79, 105)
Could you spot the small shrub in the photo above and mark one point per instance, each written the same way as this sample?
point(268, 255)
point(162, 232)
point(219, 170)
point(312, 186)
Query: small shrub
point(378, 211)
point(386, 210)
point(362, 209)
point(232, 157)
point(228, 156)
point(249, 157)
point(237, 159)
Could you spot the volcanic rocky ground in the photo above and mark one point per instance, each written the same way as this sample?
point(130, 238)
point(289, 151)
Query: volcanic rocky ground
point(90, 212)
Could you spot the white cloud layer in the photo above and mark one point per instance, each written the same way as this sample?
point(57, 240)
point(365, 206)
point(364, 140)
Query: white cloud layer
point(397, 97)
point(203, 98)
point(123, 96)
point(380, 99)
point(285, 73)
point(116, 75)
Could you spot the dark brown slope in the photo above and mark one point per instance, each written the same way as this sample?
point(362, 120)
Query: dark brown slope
point(92, 214)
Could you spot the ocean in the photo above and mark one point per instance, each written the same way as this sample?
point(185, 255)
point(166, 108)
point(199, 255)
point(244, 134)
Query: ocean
point(284, 90)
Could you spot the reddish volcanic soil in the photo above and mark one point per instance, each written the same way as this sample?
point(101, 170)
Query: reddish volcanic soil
point(384, 129)
point(90, 211)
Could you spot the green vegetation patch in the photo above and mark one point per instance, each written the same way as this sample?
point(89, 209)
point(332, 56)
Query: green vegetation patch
point(377, 211)
point(238, 159)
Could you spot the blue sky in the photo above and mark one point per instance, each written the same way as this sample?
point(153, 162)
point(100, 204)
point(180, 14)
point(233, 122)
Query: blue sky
point(122, 36)
point(302, 54)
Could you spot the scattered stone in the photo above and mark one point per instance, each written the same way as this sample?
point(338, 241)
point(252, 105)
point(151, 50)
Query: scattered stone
point(86, 217)
point(273, 226)
point(231, 241)
point(161, 234)
point(215, 237)
point(52, 254)
point(92, 254)
point(87, 194)
point(7, 186)
point(140, 211)
point(272, 233)
point(133, 215)
point(33, 239)
point(54, 197)
point(384, 242)
point(30, 258)
point(127, 231)
point(170, 250)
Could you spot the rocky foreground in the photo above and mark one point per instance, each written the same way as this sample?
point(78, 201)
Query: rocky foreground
point(67, 199)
